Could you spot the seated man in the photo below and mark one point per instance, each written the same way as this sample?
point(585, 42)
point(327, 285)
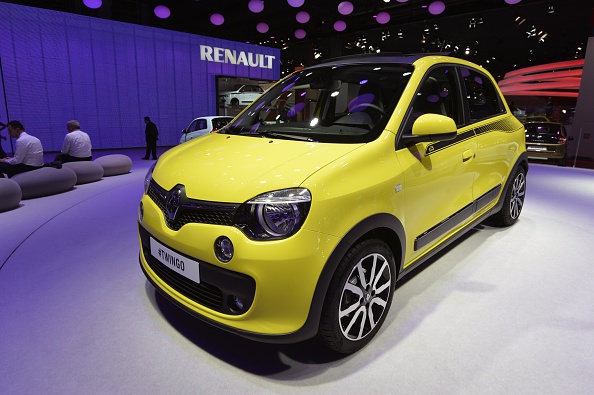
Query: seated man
point(76, 146)
point(28, 154)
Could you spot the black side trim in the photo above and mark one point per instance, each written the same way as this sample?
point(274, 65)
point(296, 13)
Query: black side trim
point(439, 248)
point(443, 227)
point(487, 198)
point(455, 219)
point(440, 145)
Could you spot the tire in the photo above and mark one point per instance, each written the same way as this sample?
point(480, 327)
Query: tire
point(234, 102)
point(514, 199)
point(359, 297)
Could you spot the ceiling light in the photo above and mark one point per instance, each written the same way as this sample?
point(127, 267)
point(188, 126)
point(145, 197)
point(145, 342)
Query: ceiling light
point(256, 6)
point(551, 10)
point(436, 8)
point(217, 19)
point(94, 4)
point(345, 8)
point(162, 12)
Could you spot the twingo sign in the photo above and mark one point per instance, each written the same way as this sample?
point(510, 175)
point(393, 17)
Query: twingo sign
point(232, 56)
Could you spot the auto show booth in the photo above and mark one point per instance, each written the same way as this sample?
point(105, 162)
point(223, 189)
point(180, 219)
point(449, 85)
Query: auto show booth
point(108, 75)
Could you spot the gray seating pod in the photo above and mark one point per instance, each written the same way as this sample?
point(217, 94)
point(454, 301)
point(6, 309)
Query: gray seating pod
point(86, 171)
point(45, 181)
point(114, 164)
point(10, 194)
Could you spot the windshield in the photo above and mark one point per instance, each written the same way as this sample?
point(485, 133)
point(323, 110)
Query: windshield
point(345, 104)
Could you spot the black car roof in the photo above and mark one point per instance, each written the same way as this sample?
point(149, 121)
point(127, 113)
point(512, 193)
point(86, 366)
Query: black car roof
point(380, 58)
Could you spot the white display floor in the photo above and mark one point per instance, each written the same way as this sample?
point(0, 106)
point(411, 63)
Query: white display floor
point(502, 312)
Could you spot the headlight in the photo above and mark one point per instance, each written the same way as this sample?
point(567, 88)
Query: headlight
point(274, 215)
point(148, 177)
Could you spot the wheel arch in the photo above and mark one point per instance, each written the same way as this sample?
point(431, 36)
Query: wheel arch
point(382, 226)
point(522, 161)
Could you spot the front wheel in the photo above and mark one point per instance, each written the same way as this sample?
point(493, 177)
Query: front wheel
point(514, 199)
point(359, 297)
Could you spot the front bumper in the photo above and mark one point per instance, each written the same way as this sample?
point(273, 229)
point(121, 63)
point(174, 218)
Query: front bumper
point(546, 151)
point(275, 279)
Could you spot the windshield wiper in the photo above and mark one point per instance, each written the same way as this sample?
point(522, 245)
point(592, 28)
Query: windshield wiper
point(286, 136)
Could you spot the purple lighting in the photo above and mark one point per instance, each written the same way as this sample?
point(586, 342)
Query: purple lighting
point(302, 17)
point(256, 6)
point(300, 33)
point(382, 18)
point(217, 19)
point(94, 4)
point(296, 3)
point(512, 1)
point(262, 27)
point(345, 8)
point(162, 12)
point(340, 26)
point(436, 8)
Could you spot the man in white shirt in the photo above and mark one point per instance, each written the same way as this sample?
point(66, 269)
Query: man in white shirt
point(28, 154)
point(77, 145)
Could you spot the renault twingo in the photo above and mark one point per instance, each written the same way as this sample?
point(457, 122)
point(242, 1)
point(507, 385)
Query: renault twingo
point(298, 218)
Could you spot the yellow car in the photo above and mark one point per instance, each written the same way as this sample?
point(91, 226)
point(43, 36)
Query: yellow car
point(298, 218)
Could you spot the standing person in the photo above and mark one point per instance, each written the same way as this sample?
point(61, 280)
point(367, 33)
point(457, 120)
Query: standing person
point(28, 153)
point(152, 135)
point(77, 144)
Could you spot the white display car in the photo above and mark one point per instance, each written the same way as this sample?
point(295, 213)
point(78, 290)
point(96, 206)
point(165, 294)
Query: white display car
point(241, 95)
point(203, 125)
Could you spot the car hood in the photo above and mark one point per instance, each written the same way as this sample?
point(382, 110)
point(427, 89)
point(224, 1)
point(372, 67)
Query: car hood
point(229, 168)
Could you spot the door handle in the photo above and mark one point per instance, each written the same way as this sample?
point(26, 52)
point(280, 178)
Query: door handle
point(467, 155)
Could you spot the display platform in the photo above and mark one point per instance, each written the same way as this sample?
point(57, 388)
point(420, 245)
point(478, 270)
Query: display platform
point(501, 311)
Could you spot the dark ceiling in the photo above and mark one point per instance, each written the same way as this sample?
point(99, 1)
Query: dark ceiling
point(497, 35)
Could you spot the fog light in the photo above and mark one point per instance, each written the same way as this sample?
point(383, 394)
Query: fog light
point(238, 303)
point(140, 211)
point(223, 249)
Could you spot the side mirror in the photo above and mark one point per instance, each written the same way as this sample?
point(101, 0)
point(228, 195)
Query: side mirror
point(184, 131)
point(431, 127)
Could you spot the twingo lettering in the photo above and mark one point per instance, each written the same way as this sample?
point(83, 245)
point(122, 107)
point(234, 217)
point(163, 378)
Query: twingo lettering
point(224, 55)
point(173, 261)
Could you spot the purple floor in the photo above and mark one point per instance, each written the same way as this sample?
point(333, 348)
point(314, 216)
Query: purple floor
point(501, 312)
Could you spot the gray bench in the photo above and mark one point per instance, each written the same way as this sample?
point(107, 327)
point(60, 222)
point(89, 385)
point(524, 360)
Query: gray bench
point(86, 171)
point(45, 181)
point(114, 164)
point(10, 194)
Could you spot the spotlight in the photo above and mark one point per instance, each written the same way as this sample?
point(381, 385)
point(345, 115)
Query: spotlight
point(519, 20)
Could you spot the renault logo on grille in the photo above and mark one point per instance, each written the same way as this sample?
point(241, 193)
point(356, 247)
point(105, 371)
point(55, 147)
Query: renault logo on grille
point(173, 202)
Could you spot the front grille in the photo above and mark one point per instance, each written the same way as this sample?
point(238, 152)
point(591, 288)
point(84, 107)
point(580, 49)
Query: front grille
point(193, 211)
point(217, 289)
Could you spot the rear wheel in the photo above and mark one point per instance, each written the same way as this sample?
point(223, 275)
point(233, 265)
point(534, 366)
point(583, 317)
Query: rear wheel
point(514, 199)
point(359, 297)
